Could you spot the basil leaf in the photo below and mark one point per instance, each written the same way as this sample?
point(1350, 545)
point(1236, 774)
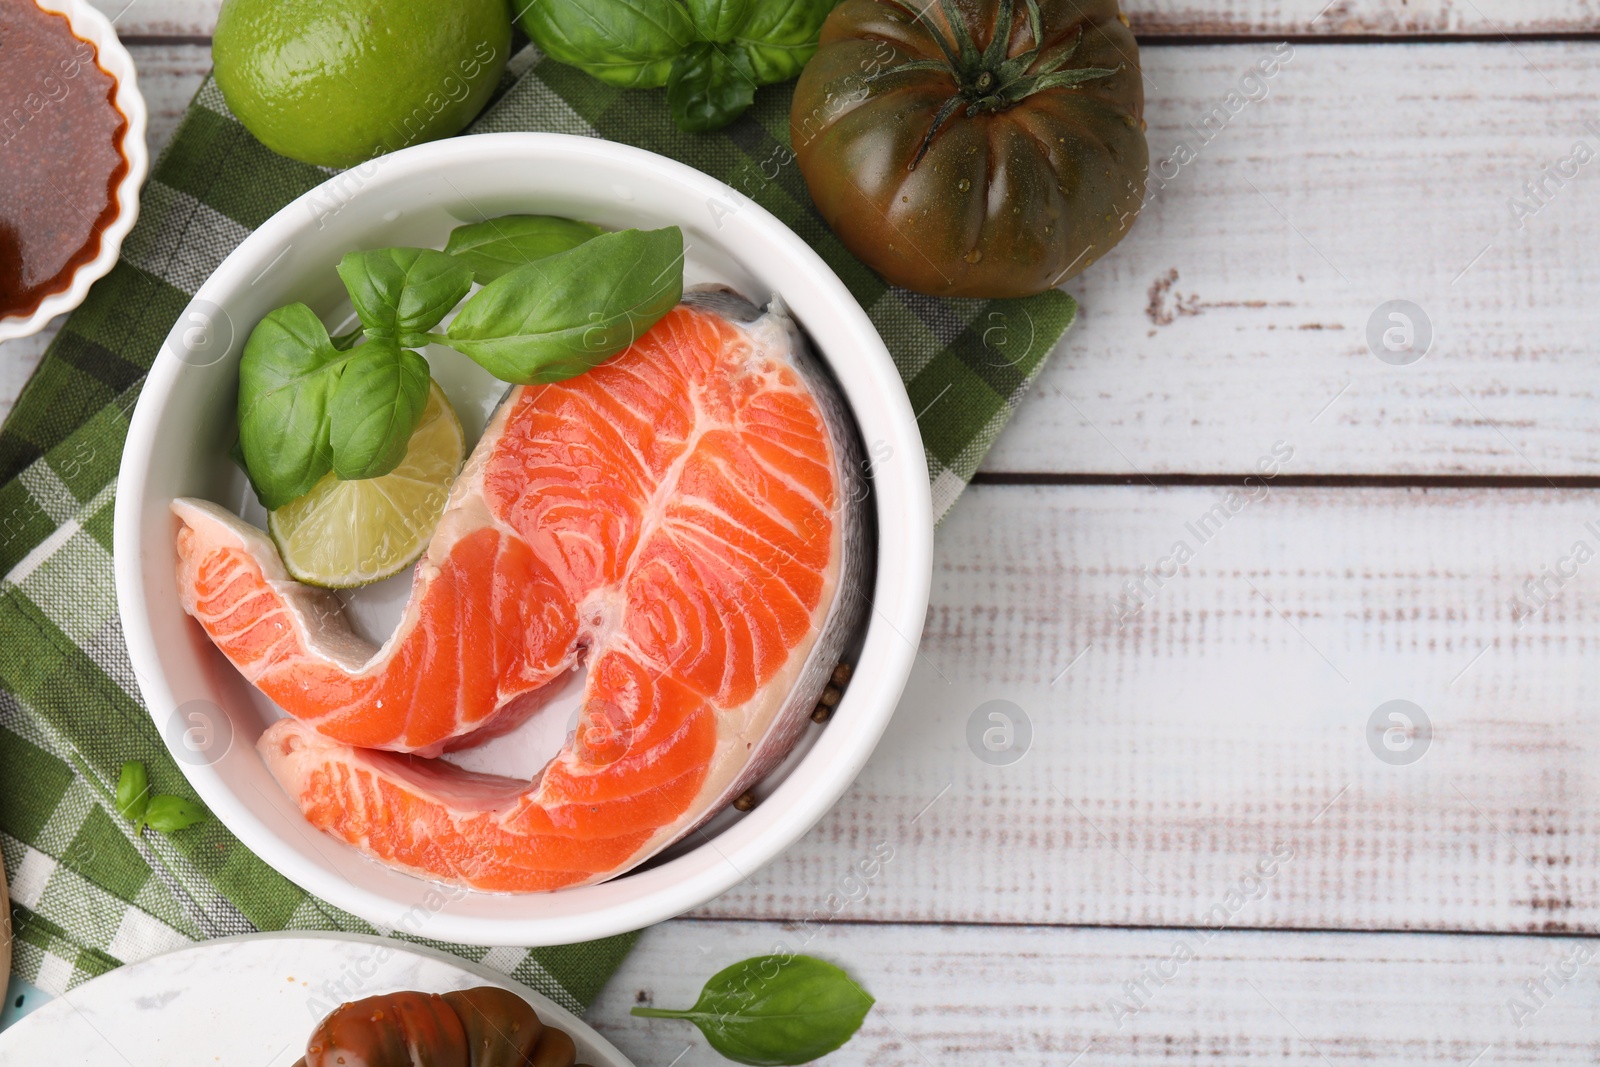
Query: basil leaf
point(774, 1011)
point(375, 408)
point(133, 791)
point(719, 20)
point(497, 246)
point(402, 293)
point(781, 35)
point(167, 814)
point(622, 42)
point(287, 373)
point(711, 85)
point(561, 315)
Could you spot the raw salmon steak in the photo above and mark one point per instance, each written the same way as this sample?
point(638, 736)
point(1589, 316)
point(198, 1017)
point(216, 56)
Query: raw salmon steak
point(686, 520)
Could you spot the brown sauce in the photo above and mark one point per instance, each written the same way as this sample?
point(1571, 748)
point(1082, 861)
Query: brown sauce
point(60, 154)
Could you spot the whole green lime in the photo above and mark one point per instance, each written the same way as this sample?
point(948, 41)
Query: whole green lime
point(336, 82)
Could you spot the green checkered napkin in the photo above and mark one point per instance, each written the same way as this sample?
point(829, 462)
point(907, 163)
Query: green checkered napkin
point(86, 895)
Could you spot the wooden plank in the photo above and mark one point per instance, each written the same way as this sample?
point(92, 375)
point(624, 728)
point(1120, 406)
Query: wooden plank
point(1238, 308)
point(1042, 996)
point(169, 76)
point(1237, 311)
point(1220, 325)
point(17, 362)
point(161, 18)
point(1186, 733)
point(1279, 18)
point(1270, 18)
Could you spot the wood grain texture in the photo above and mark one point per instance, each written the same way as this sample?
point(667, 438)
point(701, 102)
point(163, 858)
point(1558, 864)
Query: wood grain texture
point(1029, 996)
point(1227, 716)
point(1237, 311)
point(1277, 18)
point(169, 76)
point(1165, 17)
point(17, 362)
point(161, 18)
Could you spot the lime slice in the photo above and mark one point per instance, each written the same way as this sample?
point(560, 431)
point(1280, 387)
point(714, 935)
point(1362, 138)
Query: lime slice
point(344, 534)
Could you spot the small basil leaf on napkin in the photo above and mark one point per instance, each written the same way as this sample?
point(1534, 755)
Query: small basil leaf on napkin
point(774, 1011)
point(498, 246)
point(622, 42)
point(779, 36)
point(375, 408)
point(287, 375)
point(402, 293)
point(133, 791)
point(719, 20)
point(559, 316)
point(167, 814)
point(163, 814)
point(710, 86)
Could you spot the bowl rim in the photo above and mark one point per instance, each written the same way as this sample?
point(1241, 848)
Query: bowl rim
point(89, 24)
point(905, 521)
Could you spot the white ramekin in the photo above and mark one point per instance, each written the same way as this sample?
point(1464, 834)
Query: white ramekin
point(90, 25)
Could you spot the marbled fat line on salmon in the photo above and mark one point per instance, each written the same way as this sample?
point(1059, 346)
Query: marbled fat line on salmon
point(680, 518)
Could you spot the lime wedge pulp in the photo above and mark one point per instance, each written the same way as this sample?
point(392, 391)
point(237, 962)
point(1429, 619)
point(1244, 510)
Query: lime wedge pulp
point(344, 534)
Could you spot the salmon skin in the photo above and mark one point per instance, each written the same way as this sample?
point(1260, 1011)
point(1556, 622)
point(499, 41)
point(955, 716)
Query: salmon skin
point(688, 520)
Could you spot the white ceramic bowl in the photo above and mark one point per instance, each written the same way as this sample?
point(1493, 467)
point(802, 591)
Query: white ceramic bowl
point(90, 25)
point(184, 421)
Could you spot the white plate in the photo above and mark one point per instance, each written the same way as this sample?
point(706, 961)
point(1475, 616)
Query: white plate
point(251, 1001)
point(184, 423)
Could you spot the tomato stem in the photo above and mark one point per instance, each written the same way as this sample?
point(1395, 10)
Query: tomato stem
point(993, 80)
point(938, 120)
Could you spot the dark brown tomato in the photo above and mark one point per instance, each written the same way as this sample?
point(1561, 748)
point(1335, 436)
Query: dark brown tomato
point(502, 1031)
point(555, 1049)
point(998, 168)
point(393, 1030)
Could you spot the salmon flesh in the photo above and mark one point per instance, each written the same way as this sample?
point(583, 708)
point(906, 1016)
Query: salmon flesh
point(687, 520)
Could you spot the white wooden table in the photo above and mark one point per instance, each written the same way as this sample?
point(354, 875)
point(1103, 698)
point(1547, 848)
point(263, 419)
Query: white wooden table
point(1428, 892)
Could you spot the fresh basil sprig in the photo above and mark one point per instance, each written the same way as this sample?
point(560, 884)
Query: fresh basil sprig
point(168, 813)
point(309, 403)
point(559, 297)
point(306, 408)
point(719, 21)
point(710, 86)
point(163, 814)
point(780, 36)
point(498, 246)
point(287, 376)
point(133, 791)
point(775, 1011)
point(711, 54)
point(375, 409)
point(561, 315)
point(402, 293)
point(629, 43)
